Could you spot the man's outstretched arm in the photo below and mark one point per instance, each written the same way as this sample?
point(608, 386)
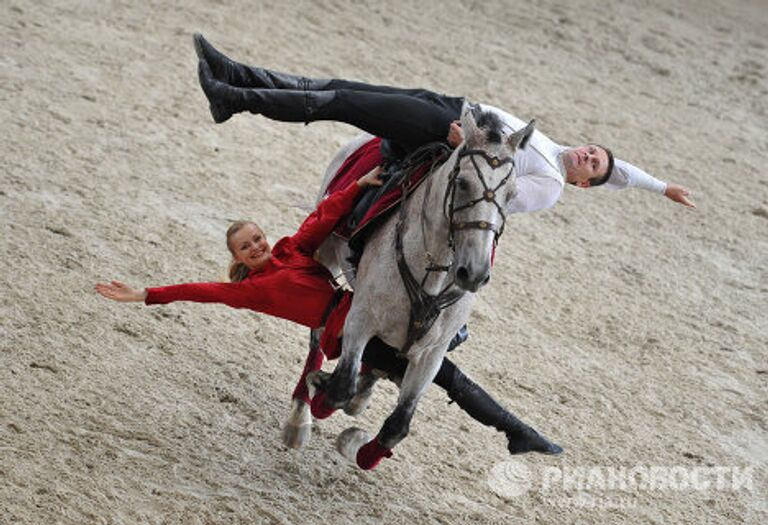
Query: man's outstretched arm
point(626, 175)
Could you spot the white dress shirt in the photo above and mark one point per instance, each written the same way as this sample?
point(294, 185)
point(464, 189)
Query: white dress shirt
point(541, 174)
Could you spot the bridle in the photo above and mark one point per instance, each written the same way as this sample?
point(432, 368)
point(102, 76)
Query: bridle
point(425, 308)
point(489, 194)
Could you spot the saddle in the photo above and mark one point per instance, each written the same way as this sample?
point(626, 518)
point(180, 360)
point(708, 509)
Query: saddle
point(376, 203)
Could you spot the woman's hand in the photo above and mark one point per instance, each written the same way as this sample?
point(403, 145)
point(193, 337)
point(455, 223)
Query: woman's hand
point(455, 134)
point(679, 194)
point(372, 178)
point(120, 292)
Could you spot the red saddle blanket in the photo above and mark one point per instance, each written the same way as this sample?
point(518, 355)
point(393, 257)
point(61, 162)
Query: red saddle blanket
point(362, 161)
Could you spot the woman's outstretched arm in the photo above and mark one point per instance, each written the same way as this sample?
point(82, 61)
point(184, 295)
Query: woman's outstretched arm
point(237, 295)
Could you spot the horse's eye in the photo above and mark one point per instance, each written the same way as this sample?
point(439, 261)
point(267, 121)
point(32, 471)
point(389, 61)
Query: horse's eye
point(463, 184)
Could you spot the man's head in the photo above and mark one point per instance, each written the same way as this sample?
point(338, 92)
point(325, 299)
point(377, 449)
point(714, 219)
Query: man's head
point(587, 166)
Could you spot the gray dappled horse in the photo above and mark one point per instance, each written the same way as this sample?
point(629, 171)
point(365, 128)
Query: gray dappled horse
point(416, 279)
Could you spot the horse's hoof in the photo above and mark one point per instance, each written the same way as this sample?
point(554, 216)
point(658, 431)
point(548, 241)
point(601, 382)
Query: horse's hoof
point(298, 427)
point(358, 404)
point(321, 385)
point(339, 397)
point(359, 401)
point(350, 441)
point(296, 436)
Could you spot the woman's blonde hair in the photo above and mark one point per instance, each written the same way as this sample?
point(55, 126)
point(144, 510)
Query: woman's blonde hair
point(237, 270)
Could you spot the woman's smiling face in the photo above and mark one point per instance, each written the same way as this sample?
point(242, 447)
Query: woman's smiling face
point(249, 246)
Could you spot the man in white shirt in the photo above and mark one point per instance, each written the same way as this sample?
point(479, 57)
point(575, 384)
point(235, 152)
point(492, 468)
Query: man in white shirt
point(411, 118)
point(544, 167)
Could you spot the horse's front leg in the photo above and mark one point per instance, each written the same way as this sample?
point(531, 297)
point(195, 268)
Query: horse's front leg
point(420, 372)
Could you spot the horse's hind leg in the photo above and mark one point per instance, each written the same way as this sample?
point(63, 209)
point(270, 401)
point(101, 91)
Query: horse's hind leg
point(298, 427)
point(318, 382)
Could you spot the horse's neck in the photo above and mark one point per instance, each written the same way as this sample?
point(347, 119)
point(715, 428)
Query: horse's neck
point(427, 230)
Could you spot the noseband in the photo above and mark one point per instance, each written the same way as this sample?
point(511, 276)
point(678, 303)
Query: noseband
point(489, 194)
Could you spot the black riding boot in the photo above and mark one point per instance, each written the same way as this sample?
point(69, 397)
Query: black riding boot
point(236, 74)
point(409, 121)
point(468, 395)
point(283, 105)
point(482, 407)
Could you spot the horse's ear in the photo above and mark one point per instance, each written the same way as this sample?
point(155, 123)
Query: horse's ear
point(468, 122)
point(519, 139)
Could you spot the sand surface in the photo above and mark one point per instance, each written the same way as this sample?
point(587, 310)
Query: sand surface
point(629, 329)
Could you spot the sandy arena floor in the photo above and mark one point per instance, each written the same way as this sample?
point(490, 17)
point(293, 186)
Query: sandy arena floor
point(630, 330)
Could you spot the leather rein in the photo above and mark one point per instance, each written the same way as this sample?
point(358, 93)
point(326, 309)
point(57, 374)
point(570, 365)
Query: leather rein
point(426, 308)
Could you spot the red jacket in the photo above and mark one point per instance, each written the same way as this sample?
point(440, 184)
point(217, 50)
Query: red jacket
point(292, 285)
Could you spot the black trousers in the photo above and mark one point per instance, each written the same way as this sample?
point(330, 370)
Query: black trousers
point(408, 117)
point(411, 117)
point(381, 356)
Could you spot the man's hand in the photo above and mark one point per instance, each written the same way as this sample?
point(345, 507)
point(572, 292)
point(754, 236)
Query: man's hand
point(120, 292)
point(679, 194)
point(455, 134)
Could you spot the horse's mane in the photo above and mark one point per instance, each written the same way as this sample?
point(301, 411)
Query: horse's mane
point(492, 125)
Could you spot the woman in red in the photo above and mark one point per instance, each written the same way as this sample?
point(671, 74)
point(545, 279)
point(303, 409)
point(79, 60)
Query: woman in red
point(289, 283)
point(286, 281)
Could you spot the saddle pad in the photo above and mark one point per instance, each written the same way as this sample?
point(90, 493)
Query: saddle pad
point(360, 162)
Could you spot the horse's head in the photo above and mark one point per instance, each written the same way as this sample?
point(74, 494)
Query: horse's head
point(481, 186)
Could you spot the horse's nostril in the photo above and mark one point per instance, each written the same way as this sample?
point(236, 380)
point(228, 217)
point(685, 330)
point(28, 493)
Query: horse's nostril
point(485, 281)
point(462, 274)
